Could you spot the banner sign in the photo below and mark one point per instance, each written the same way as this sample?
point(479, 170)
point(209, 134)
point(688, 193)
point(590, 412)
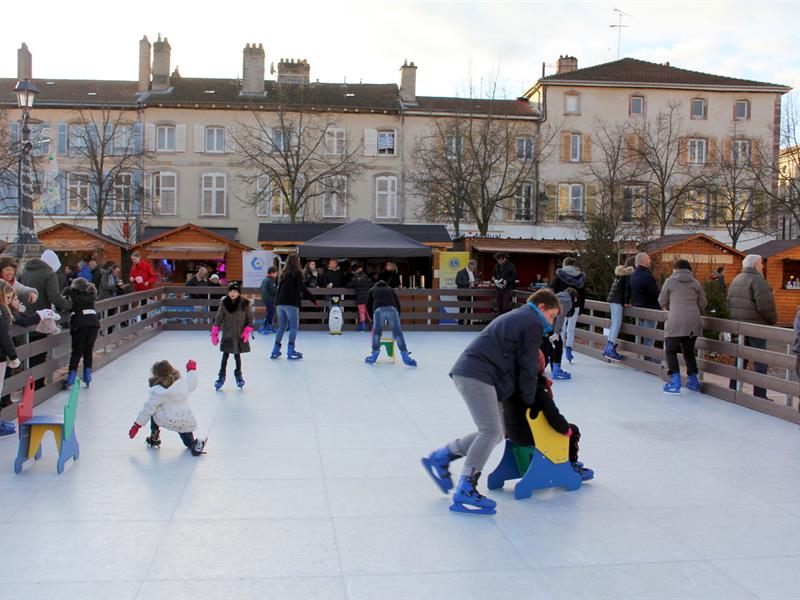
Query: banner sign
point(255, 265)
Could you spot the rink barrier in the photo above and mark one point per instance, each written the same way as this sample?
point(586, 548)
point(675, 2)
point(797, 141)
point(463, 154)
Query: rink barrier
point(721, 355)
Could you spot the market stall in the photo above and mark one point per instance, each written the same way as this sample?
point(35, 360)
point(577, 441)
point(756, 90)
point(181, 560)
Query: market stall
point(782, 271)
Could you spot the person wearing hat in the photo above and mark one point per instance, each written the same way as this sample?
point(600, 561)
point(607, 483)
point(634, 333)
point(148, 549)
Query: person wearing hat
point(234, 322)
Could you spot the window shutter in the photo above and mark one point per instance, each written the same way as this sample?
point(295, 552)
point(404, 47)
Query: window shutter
point(199, 139)
point(586, 148)
point(550, 191)
point(180, 138)
point(566, 139)
point(371, 142)
point(721, 206)
point(150, 137)
point(712, 158)
point(230, 140)
point(683, 151)
point(590, 201)
point(13, 133)
point(61, 144)
point(109, 133)
point(727, 150)
point(756, 153)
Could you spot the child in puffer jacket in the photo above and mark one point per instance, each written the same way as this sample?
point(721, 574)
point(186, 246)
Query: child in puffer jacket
point(234, 322)
point(84, 326)
point(518, 429)
point(168, 406)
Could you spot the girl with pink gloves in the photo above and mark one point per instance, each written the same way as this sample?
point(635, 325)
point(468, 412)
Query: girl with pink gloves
point(234, 323)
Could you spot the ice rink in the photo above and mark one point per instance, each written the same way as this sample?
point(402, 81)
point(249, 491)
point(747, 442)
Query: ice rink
point(312, 488)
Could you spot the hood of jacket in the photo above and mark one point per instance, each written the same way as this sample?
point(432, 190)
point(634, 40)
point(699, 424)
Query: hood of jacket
point(86, 296)
point(682, 275)
point(623, 271)
point(572, 276)
point(175, 391)
point(51, 259)
point(381, 283)
point(232, 305)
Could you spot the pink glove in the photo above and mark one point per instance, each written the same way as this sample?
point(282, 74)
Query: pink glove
point(139, 279)
point(134, 430)
point(191, 365)
point(569, 432)
point(215, 335)
point(246, 334)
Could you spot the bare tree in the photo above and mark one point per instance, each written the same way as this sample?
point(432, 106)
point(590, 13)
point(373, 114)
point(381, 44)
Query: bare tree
point(478, 163)
point(672, 171)
point(109, 173)
point(295, 156)
point(740, 205)
point(9, 158)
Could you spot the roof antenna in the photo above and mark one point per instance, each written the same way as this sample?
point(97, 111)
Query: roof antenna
point(619, 26)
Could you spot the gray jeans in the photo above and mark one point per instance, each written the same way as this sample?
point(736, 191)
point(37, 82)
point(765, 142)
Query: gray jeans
point(483, 405)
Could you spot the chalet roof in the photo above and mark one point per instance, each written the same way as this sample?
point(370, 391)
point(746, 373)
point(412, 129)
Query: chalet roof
point(774, 247)
point(302, 232)
point(210, 233)
point(668, 241)
point(229, 233)
point(631, 71)
point(88, 231)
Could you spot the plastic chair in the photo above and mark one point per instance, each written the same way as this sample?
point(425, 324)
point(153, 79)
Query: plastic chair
point(389, 345)
point(544, 466)
point(32, 429)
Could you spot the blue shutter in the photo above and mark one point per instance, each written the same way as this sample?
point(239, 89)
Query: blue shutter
point(138, 141)
point(62, 138)
point(109, 137)
point(13, 134)
point(8, 197)
point(61, 208)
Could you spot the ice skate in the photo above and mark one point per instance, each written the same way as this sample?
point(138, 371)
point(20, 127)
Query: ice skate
point(198, 447)
point(674, 384)
point(219, 382)
point(467, 499)
point(153, 440)
point(558, 373)
point(407, 360)
point(438, 467)
point(87, 376)
point(585, 473)
point(239, 379)
point(372, 358)
point(293, 354)
point(276, 351)
point(568, 352)
point(71, 376)
point(692, 384)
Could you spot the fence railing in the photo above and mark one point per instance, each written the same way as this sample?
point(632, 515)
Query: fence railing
point(722, 358)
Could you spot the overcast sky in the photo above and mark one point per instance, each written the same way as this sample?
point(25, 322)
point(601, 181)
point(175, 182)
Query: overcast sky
point(452, 43)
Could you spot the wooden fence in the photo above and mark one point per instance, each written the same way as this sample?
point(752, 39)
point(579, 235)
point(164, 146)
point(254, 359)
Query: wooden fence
point(129, 320)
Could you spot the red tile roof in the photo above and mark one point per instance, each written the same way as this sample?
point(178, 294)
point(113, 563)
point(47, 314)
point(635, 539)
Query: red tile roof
point(633, 71)
point(478, 105)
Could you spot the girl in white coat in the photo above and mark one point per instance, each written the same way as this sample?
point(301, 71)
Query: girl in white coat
point(168, 406)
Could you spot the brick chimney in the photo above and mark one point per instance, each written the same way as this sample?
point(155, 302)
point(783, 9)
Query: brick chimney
point(161, 53)
point(144, 64)
point(24, 63)
point(253, 70)
point(567, 64)
point(408, 83)
point(290, 71)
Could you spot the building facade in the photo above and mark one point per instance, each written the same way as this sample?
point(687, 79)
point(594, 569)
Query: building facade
point(187, 146)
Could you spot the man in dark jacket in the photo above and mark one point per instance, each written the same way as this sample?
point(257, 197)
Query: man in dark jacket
point(504, 277)
point(502, 359)
point(467, 278)
point(570, 276)
point(333, 276)
point(384, 306)
point(644, 294)
point(751, 300)
point(41, 275)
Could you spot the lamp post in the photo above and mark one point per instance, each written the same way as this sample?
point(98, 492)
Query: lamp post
point(26, 234)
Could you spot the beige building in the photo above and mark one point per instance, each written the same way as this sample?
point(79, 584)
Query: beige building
point(190, 158)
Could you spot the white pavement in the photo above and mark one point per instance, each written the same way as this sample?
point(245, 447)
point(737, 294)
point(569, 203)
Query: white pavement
point(312, 488)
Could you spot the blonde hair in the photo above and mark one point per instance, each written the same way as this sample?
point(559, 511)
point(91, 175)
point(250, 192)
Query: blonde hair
point(164, 374)
point(5, 288)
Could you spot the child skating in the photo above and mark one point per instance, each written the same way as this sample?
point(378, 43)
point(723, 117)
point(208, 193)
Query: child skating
point(168, 406)
point(269, 291)
point(84, 326)
point(384, 306)
point(235, 320)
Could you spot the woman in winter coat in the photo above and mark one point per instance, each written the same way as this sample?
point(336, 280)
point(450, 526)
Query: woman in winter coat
point(570, 275)
point(291, 291)
point(310, 275)
point(618, 297)
point(8, 271)
point(684, 298)
point(235, 320)
point(361, 284)
point(84, 325)
point(390, 275)
point(168, 406)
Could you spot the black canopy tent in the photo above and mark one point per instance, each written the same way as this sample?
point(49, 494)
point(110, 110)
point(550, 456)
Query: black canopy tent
point(363, 239)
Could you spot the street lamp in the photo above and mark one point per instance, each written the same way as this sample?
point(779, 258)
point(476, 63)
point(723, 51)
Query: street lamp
point(26, 234)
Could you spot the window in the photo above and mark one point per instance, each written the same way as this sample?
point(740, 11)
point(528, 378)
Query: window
point(122, 140)
point(77, 139)
point(165, 193)
point(165, 138)
point(213, 195)
point(695, 209)
point(523, 202)
point(570, 201)
point(334, 141)
point(698, 151)
point(741, 152)
point(280, 139)
point(386, 197)
point(572, 104)
point(741, 110)
point(634, 203)
point(122, 193)
point(272, 201)
point(636, 106)
point(334, 204)
point(698, 108)
point(524, 147)
point(575, 147)
point(454, 146)
point(77, 192)
point(215, 139)
point(386, 142)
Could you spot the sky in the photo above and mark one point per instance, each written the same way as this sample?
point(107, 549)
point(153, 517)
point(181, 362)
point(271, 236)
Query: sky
point(459, 47)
